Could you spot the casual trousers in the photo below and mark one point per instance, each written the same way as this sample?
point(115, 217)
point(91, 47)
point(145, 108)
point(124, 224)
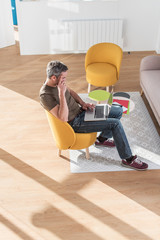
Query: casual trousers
point(111, 127)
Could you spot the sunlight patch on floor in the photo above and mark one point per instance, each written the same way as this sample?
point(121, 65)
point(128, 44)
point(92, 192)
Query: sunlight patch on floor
point(130, 211)
point(25, 132)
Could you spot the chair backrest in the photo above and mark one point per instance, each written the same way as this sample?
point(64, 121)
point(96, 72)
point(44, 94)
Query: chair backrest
point(104, 52)
point(62, 132)
point(151, 62)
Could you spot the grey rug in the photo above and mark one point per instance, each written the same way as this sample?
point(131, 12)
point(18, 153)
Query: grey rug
point(142, 136)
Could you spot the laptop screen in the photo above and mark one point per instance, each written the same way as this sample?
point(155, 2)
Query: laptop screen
point(99, 112)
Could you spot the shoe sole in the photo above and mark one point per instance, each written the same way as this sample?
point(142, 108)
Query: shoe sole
point(134, 167)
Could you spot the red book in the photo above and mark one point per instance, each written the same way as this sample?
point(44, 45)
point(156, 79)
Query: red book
point(124, 103)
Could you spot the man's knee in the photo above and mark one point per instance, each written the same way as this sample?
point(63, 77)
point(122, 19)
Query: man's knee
point(116, 112)
point(120, 112)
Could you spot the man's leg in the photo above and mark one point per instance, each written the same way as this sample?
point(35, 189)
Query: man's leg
point(112, 125)
point(115, 112)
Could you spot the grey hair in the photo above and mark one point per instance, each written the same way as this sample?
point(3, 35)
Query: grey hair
point(55, 68)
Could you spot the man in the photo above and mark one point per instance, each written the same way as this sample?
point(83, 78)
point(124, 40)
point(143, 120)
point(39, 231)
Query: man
point(66, 105)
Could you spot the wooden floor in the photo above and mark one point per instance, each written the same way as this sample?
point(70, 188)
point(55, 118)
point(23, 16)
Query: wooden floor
point(40, 199)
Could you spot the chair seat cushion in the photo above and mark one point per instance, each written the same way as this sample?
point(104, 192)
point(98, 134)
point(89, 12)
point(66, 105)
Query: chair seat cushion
point(84, 140)
point(101, 74)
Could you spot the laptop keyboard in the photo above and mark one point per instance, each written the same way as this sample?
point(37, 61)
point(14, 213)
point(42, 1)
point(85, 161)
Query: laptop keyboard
point(99, 112)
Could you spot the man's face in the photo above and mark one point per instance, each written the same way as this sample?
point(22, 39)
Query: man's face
point(62, 77)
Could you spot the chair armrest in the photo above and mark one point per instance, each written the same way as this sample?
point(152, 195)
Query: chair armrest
point(150, 63)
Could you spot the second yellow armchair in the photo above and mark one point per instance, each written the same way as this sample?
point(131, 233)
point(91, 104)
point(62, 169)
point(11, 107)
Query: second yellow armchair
point(102, 64)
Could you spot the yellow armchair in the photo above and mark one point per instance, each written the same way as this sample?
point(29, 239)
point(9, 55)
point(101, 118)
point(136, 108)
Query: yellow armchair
point(102, 65)
point(66, 138)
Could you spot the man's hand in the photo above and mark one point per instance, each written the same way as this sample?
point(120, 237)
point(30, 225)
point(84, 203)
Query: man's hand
point(61, 85)
point(86, 106)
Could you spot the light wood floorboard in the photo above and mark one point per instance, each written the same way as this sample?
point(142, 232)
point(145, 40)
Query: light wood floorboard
point(40, 199)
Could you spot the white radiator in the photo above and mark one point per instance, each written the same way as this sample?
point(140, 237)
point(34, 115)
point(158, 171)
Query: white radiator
point(79, 35)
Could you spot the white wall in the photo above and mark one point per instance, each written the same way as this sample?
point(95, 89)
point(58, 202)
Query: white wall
point(158, 41)
point(36, 20)
point(142, 18)
point(6, 24)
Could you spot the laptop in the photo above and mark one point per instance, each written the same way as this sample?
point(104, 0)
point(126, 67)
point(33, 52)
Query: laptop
point(99, 113)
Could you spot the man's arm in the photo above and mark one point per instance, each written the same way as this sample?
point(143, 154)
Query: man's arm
point(77, 98)
point(61, 110)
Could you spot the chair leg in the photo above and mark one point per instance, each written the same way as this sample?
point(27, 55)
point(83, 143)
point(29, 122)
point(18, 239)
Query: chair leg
point(112, 89)
point(141, 92)
point(107, 89)
point(89, 87)
point(87, 153)
point(59, 152)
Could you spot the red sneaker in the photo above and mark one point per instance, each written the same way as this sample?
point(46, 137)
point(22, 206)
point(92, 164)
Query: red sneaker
point(135, 164)
point(106, 143)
